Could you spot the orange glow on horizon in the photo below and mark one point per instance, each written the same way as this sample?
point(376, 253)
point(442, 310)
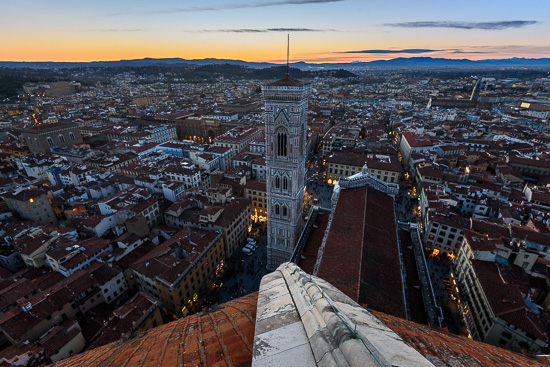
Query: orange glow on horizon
point(76, 55)
point(87, 47)
point(257, 31)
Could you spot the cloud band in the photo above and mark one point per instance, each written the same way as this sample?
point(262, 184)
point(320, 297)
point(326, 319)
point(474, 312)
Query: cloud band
point(488, 26)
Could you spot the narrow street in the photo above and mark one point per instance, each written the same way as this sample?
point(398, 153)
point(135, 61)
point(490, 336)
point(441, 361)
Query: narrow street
point(440, 270)
point(243, 274)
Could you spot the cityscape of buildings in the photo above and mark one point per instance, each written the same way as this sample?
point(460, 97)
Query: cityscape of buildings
point(389, 217)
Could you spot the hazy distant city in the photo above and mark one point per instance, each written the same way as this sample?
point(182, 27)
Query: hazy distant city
point(138, 195)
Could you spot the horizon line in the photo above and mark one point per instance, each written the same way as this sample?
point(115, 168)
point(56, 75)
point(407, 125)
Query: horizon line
point(278, 62)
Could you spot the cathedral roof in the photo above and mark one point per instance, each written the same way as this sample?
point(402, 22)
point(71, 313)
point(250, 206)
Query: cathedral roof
point(296, 320)
point(220, 338)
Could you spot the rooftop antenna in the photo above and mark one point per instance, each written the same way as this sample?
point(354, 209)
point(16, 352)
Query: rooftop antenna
point(287, 53)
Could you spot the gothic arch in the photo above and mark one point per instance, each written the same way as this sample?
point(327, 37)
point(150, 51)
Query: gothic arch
point(281, 116)
point(282, 142)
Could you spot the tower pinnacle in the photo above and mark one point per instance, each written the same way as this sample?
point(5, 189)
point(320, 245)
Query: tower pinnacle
point(287, 54)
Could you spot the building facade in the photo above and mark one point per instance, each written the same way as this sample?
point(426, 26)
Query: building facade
point(185, 269)
point(238, 139)
point(491, 300)
point(256, 191)
point(341, 164)
point(286, 103)
point(43, 137)
point(31, 204)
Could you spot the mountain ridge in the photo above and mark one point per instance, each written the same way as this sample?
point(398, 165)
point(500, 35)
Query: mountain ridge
point(400, 62)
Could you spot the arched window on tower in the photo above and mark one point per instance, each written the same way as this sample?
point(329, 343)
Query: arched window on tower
point(277, 182)
point(277, 209)
point(285, 183)
point(282, 141)
point(285, 211)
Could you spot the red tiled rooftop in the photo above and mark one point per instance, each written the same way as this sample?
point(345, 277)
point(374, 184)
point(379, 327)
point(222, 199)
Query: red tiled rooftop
point(443, 349)
point(287, 81)
point(256, 185)
point(225, 338)
point(360, 256)
point(503, 288)
point(341, 259)
point(221, 338)
point(381, 284)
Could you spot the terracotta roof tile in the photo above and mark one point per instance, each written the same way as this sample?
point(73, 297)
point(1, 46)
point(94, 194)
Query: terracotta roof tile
point(361, 256)
point(341, 261)
point(225, 338)
point(443, 349)
point(381, 283)
point(221, 338)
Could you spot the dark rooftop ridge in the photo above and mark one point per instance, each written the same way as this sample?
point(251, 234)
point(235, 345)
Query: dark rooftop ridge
point(287, 81)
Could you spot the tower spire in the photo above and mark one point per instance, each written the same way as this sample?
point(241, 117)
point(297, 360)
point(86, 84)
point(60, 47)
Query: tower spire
point(287, 53)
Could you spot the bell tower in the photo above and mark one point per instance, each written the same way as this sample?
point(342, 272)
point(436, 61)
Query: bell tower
point(285, 132)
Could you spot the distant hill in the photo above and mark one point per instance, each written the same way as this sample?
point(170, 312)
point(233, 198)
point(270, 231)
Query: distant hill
point(461, 63)
point(402, 62)
point(133, 63)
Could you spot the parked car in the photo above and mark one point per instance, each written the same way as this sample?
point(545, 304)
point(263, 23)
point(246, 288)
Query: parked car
point(246, 251)
point(250, 247)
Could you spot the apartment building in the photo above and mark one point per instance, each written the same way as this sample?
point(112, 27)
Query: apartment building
point(182, 268)
point(232, 219)
point(345, 164)
point(411, 143)
point(238, 139)
point(494, 298)
point(31, 204)
point(256, 191)
point(68, 176)
point(32, 247)
point(444, 233)
point(190, 175)
point(69, 257)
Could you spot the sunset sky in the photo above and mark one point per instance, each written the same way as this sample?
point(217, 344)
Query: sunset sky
point(320, 30)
